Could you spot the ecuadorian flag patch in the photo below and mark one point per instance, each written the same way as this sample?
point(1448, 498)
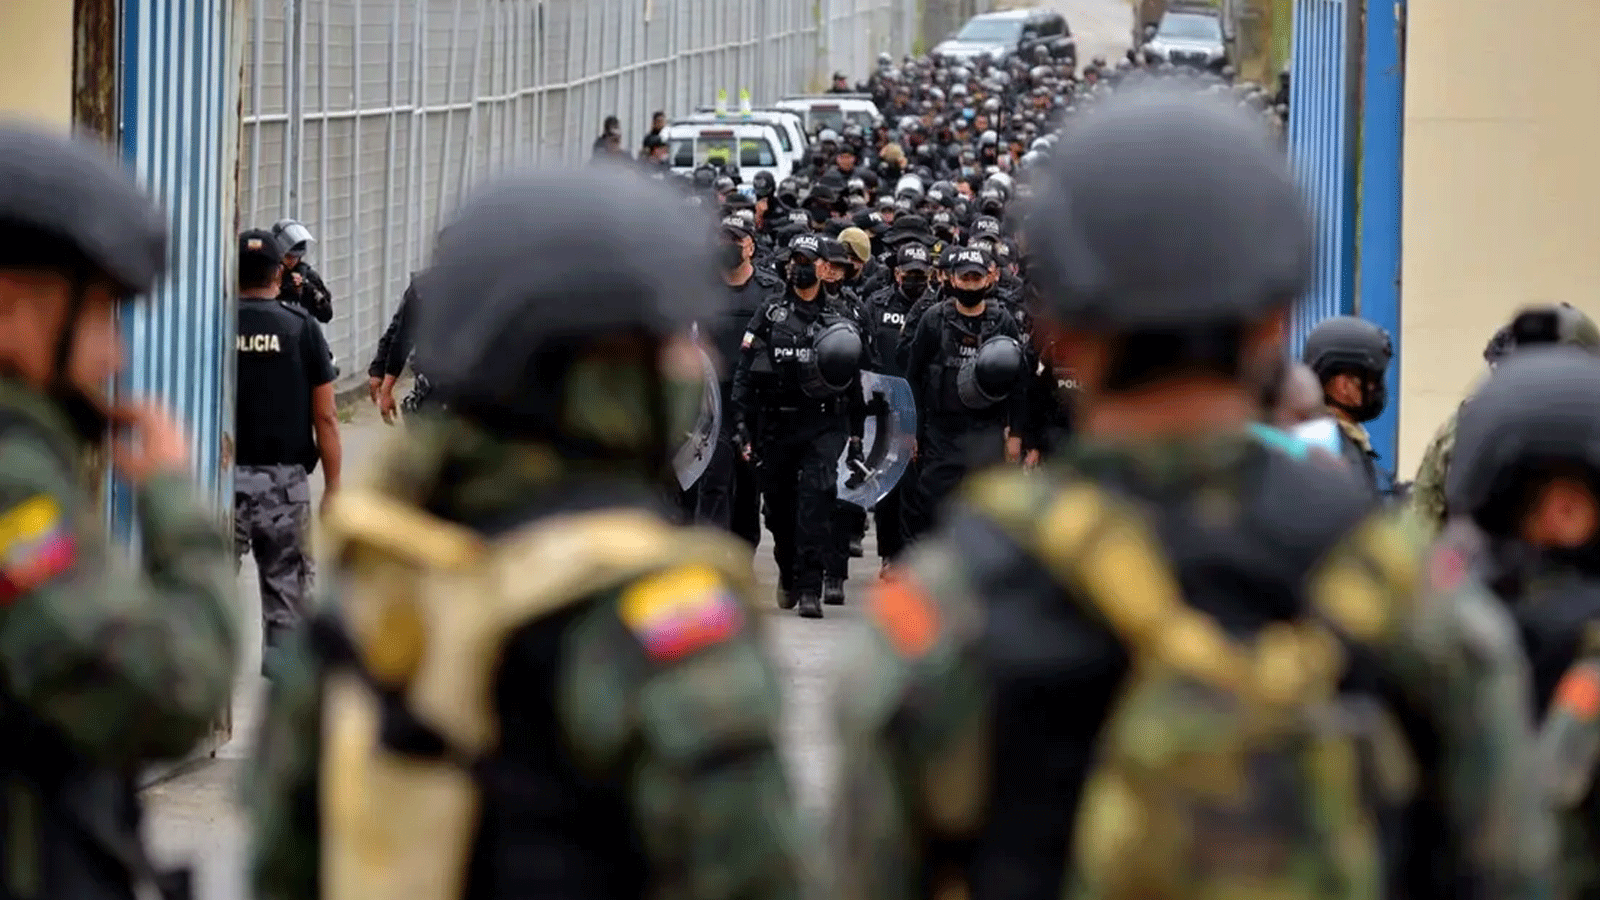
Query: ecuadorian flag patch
point(680, 611)
point(35, 546)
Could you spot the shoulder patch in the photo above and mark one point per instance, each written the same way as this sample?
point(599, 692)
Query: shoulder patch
point(906, 615)
point(35, 546)
point(680, 611)
point(1578, 694)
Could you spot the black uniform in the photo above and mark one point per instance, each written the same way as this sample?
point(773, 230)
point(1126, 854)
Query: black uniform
point(282, 359)
point(953, 440)
point(303, 287)
point(797, 439)
point(729, 495)
point(887, 312)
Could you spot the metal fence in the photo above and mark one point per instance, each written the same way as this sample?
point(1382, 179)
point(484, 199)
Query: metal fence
point(366, 119)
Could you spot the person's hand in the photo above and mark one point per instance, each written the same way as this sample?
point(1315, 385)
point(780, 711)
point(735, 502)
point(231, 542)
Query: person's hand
point(386, 405)
point(297, 279)
point(373, 384)
point(153, 444)
point(1014, 449)
point(1031, 460)
point(329, 491)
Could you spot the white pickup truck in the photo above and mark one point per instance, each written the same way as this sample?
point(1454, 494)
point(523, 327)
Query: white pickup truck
point(746, 148)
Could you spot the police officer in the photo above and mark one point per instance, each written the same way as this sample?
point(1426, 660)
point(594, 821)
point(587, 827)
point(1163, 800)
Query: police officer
point(796, 401)
point(390, 359)
point(1560, 323)
point(286, 424)
point(1524, 494)
point(497, 708)
point(887, 311)
point(104, 667)
point(1103, 680)
point(1350, 356)
point(302, 285)
point(729, 495)
point(965, 362)
point(839, 269)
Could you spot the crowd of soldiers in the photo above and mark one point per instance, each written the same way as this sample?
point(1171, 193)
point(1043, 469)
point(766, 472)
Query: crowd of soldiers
point(1187, 654)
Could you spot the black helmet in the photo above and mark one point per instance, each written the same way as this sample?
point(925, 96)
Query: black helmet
point(834, 361)
point(1343, 343)
point(1540, 408)
point(764, 184)
point(986, 377)
point(67, 204)
point(1193, 176)
point(511, 284)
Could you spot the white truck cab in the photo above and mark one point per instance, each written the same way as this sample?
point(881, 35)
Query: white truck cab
point(833, 111)
point(743, 147)
point(789, 127)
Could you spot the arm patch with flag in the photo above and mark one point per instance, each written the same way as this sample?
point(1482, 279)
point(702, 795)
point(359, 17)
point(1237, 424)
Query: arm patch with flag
point(35, 546)
point(681, 611)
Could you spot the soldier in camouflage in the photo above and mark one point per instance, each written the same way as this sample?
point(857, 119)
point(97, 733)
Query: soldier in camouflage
point(104, 667)
point(1175, 662)
point(529, 684)
point(1350, 357)
point(1561, 323)
point(1524, 492)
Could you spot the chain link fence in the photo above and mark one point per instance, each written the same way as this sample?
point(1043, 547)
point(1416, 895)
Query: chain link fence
point(367, 119)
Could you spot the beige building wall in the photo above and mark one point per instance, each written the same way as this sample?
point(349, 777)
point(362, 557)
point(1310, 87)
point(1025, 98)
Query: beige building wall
point(36, 43)
point(1502, 186)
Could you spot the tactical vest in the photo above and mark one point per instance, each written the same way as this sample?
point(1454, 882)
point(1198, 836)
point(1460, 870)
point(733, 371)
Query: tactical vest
point(889, 319)
point(789, 341)
point(430, 608)
point(1248, 615)
point(959, 339)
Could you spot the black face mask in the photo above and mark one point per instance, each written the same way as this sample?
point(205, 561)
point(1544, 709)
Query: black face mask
point(803, 275)
point(968, 298)
point(1374, 397)
point(914, 286)
point(89, 422)
point(732, 256)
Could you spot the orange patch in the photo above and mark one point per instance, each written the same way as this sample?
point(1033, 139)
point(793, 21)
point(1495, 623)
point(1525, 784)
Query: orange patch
point(907, 615)
point(1579, 693)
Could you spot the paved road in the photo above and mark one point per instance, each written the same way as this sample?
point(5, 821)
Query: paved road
point(193, 818)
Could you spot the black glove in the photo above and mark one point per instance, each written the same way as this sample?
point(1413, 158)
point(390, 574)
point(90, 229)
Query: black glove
point(877, 406)
point(742, 443)
point(855, 460)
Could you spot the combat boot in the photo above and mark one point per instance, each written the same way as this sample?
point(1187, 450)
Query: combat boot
point(810, 605)
point(786, 598)
point(856, 549)
point(833, 591)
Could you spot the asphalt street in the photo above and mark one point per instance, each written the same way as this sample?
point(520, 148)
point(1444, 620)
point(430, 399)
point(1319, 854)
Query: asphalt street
point(193, 817)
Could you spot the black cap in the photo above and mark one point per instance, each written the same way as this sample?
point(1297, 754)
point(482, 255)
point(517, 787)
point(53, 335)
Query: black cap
point(913, 257)
point(969, 259)
point(835, 252)
point(986, 225)
point(870, 221)
point(737, 226)
point(806, 245)
point(908, 228)
point(260, 243)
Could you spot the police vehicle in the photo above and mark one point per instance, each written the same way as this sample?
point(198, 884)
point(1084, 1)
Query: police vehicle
point(789, 127)
point(835, 111)
point(742, 148)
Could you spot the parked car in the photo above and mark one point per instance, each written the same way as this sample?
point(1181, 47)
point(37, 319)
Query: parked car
point(1189, 37)
point(788, 125)
point(1003, 35)
point(833, 111)
point(741, 148)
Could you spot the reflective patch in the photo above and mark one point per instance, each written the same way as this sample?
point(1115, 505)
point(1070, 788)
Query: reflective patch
point(35, 546)
point(681, 611)
point(1579, 694)
point(906, 614)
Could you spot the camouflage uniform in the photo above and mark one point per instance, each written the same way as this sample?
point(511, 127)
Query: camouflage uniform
point(105, 665)
point(1427, 492)
point(527, 683)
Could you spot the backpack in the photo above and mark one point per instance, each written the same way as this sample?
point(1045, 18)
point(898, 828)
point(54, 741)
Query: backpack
point(1227, 767)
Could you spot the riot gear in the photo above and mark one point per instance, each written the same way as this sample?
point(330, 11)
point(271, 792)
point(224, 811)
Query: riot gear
point(990, 375)
point(833, 362)
point(294, 237)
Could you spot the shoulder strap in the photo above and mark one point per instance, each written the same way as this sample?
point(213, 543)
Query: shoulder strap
point(1102, 551)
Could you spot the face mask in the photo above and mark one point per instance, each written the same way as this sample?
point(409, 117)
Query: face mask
point(914, 287)
point(803, 275)
point(969, 298)
point(732, 256)
point(1376, 395)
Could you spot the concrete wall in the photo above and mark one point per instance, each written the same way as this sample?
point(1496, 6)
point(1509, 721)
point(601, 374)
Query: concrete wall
point(1501, 186)
point(36, 43)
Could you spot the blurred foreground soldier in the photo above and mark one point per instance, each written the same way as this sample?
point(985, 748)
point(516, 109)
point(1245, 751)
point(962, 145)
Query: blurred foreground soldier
point(531, 685)
point(1526, 475)
point(302, 285)
point(1177, 663)
point(104, 667)
point(1554, 324)
point(1349, 356)
point(1298, 399)
point(798, 381)
point(287, 425)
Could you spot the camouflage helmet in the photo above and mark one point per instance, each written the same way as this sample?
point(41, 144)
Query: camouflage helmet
point(65, 205)
point(1540, 408)
point(1559, 323)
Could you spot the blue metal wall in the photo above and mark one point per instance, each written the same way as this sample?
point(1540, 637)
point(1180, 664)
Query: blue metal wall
point(180, 131)
point(1322, 141)
point(1382, 145)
